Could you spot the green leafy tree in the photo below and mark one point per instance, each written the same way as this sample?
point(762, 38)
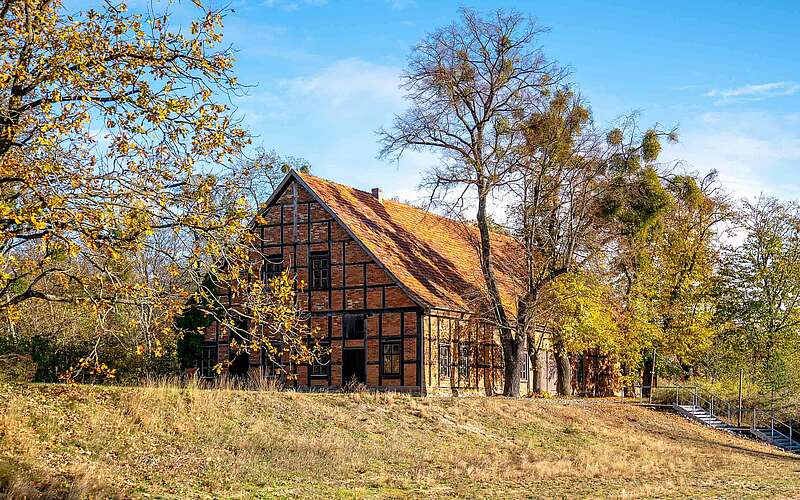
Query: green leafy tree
point(760, 294)
point(582, 317)
point(665, 252)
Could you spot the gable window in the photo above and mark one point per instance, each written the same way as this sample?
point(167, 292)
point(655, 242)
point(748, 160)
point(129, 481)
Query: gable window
point(463, 361)
point(523, 375)
point(319, 367)
point(354, 326)
point(444, 360)
point(208, 358)
point(320, 270)
point(390, 358)
point(273, 267)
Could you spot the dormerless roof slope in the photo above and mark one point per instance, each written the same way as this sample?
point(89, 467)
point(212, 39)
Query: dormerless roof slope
point(433, 258)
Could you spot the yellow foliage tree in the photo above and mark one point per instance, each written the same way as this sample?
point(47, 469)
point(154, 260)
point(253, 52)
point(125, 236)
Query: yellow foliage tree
point(582, 316)
point(113, 139)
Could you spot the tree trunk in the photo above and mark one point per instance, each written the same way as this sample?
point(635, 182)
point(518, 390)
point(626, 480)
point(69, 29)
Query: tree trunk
point(536, 369)
point(513, 345)
point(514, 349)
point(563, 370)
point(648, 377)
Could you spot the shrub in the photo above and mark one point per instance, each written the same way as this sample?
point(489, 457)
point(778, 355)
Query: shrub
point(17, 368)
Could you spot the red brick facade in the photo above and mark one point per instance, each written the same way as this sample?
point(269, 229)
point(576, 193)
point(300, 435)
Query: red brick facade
point(407, 344)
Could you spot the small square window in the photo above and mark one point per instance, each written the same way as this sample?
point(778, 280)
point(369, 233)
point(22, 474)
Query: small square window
point(354, 326)
point(320, 270)
point(273, 267)
point(524, 368)
point(320, 366)
point(444, 361)
point(208, 359)
point(390, 359)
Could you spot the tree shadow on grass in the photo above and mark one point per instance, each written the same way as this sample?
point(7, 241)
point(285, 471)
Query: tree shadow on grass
point(781, 456)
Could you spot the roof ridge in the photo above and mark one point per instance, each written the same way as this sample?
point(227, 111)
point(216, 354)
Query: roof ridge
point(408, 205)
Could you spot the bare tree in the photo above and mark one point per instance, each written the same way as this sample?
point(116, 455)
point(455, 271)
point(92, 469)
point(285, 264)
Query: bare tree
point(471, 86)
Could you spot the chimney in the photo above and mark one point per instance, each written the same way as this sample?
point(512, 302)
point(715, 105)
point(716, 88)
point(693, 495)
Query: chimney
point(377, 193)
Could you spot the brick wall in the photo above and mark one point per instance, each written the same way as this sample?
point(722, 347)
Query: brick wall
point(296, 226)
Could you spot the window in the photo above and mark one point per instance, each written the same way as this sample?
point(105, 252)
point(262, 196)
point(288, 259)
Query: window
point(208, 358)
point(463, 361)
point(273, 266)
point(319, 367)
point(320, 271)
point(271, 361)
point(444, 361)
point(390, 358)
point(354, 326)
point(580, 373)
point(523, 371)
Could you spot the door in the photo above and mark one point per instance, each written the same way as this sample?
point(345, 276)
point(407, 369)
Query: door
point(354, 366)
point(240, 365)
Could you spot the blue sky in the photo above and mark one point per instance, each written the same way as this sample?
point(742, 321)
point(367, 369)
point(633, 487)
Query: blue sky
point(325, 76)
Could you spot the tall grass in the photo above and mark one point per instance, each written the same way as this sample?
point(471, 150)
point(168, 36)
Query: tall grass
point(191, 439)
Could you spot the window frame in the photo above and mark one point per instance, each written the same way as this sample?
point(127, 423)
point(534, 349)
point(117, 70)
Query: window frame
point(325, 364)
point(269, 368)
point(393, 344)
point(580, 372)
point(326, 258)
point(464, 352)
point(268, 273)
point(205, 368)
point(446, 369)
point(524, 373)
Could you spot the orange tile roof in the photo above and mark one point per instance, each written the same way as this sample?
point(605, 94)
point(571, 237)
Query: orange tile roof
point(433, 257)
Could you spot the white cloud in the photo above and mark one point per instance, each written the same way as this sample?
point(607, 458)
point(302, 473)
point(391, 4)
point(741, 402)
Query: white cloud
point(754, 92)
point(329, 116)
point(753, 152)
point(349, 83)
point(292, 5)
point(400, 4)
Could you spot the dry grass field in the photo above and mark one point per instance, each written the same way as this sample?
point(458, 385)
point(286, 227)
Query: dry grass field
point(85, 441)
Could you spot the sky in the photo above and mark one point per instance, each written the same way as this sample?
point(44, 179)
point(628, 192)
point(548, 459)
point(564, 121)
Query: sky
point(324, 76)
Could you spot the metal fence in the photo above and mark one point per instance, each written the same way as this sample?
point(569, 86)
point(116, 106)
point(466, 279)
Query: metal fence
point(764, 423)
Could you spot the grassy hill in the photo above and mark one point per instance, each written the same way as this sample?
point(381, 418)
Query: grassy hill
point(167, 442)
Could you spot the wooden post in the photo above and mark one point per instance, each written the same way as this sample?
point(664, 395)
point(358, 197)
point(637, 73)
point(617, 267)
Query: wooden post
point(652, 377)
point(741, 378)
point(772, 414)
point(653, 371)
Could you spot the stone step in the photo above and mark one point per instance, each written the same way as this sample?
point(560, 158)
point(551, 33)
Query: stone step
point(776, 438)
point(699, 414)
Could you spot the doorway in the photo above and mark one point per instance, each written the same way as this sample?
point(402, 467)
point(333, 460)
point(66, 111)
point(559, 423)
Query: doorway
point(240, 365)
point(354, 365)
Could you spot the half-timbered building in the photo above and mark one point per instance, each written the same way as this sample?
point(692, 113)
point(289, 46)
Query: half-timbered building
point(394, 291)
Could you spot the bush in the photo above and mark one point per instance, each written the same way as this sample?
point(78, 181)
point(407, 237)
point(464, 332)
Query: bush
point(17, 368)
